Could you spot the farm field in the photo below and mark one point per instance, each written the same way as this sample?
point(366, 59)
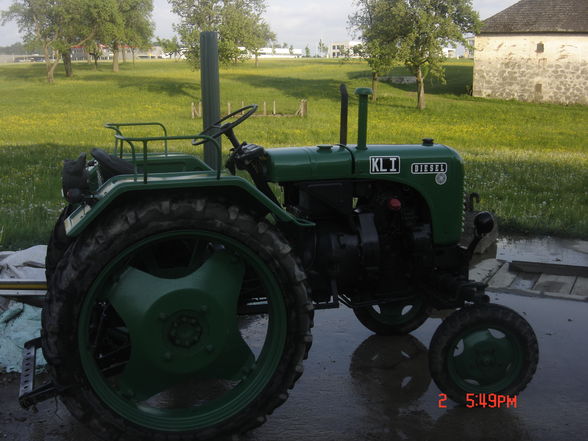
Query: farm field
point(528, 161)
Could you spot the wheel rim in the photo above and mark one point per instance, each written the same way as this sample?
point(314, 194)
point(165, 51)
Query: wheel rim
point(484, 359)
point(398, 313)
point(183, 332)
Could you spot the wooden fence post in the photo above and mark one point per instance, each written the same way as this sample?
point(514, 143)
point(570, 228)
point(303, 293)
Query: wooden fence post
point(274, 109)
point(264, 109)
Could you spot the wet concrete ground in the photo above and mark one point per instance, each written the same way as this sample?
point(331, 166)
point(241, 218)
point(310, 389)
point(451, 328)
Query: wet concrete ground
point(357, 386)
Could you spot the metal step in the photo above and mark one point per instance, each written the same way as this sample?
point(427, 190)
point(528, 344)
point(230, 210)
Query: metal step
point(29, 395)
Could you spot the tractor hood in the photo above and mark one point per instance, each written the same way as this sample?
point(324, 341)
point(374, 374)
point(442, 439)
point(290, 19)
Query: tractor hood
point(289, 164)
point(430, 163)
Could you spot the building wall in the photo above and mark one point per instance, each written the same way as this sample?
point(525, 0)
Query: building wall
point(551, 68)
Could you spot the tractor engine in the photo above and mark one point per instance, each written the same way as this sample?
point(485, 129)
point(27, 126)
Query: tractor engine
point(370, 237)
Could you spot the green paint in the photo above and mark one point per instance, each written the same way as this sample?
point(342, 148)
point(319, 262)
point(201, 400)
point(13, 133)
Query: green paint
point(485, 363)
point(362, 115)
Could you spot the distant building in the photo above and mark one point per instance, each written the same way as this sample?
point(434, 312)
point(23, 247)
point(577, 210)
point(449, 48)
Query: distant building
point(279, 52)
point(341, 49)
point(469, 53)
point(449, 52)
point(535, 50)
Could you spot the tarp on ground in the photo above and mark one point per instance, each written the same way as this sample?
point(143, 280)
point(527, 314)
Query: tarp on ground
point(20, 323)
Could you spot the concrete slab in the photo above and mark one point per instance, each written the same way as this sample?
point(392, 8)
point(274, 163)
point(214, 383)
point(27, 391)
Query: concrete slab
point(580, 287)
point(524, 281)
point(503, 278)
point(554, 284)
point(485, 270)
point(357, 386)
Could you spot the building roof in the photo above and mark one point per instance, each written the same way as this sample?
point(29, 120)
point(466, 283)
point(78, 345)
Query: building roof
point(540, 16)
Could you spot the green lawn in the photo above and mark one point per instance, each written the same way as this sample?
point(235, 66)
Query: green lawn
point(528, 161)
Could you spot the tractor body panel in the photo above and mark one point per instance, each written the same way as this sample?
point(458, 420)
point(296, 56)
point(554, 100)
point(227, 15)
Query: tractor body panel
point(207, 181)
point(435, 171)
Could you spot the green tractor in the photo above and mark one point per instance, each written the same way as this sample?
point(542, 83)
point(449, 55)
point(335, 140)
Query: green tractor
point(181, 297)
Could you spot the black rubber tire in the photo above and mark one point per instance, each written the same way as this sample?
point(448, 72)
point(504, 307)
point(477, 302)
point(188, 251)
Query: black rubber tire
point(126, 225)
point(370, 318)
point(473, 317)
point(58, 243)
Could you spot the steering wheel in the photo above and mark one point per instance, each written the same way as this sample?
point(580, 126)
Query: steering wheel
point(218, 128)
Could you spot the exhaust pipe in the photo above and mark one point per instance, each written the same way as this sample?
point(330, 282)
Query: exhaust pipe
point(363, 93)
point(344, 112)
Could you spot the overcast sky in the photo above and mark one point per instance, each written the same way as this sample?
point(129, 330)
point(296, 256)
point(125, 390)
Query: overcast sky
point(296, 22)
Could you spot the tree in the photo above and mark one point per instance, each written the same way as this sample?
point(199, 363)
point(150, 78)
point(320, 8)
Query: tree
point(40, 22)
point(131, 26)
point(236, 21)
point(261, 35)
point(58, 25)
point(322, 47)
point(307, 52)
point(170, 47)
point(414, 32)
point(137, 24)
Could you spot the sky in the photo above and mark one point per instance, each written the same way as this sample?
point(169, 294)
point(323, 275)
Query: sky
point(296, 22)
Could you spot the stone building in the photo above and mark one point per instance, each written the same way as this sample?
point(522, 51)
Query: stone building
point(535, 50)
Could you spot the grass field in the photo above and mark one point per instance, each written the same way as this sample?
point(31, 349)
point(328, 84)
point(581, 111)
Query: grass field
point(528, 161)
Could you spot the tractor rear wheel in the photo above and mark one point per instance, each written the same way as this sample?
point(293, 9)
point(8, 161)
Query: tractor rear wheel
point(58, 242)
point(483, 349)
point(397, 318)
point(177, 319)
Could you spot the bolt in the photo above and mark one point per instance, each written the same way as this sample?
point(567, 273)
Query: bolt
point(210, 348)
point(203, 308)
point(167, 356)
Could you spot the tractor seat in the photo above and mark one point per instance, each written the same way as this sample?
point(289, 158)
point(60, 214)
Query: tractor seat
point(111, 165)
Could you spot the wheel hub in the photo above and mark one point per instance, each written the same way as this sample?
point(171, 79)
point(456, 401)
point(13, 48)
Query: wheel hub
point(184, 329)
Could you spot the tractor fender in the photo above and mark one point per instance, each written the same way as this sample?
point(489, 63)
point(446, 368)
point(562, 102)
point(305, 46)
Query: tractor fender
point(231, 188)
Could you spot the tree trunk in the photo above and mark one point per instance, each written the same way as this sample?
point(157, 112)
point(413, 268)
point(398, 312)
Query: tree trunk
point(51, 65)
point(256, 60)
point(66, 56)
point(124, 54)
point(95, 56)
point(420, 89)
point(51, 70)
point(115, 51)
point(374, 85)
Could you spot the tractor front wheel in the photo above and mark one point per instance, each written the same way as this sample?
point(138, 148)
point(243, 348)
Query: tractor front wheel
point(483, 349)
point(397, 318)
point(180, 319)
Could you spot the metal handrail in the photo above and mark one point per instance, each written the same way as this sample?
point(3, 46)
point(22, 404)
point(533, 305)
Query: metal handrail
point(116, 127)
point(120, 139)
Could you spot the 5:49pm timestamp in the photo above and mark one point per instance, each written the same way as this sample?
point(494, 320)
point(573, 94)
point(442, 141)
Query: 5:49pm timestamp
point(485, 400)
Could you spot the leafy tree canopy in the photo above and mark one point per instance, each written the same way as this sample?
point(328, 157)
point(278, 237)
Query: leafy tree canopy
point(239, 24)
point(413, 32)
